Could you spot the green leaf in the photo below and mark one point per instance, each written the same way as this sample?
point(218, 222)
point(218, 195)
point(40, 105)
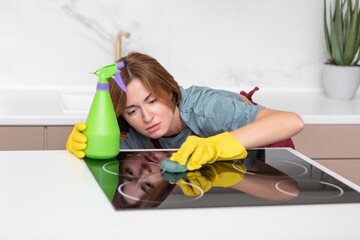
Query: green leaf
point(357, 59)
point(350, 48)
point(327, 38)
point(358, 41)
point(336, 49)
point(347, 22)
point(343, 4)
point(342, 18)
point(358, 32)
point(338, 26)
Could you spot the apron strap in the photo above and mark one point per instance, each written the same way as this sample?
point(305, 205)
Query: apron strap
point(249, 94)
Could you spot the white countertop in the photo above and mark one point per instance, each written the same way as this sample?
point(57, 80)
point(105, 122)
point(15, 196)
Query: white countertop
point(59, 105)
point(53, 195)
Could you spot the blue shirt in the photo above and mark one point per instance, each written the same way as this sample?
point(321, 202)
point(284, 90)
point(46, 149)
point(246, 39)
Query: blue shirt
point(206, 112)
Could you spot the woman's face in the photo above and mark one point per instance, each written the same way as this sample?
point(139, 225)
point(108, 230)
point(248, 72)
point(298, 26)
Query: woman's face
point(145, 113)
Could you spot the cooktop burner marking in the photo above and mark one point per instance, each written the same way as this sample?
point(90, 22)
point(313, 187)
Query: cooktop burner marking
point(297, 175)
point(341, 191)
point(167, 202)
point(117, 174)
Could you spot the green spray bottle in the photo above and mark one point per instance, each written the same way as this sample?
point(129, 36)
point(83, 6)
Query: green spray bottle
point(102, 132)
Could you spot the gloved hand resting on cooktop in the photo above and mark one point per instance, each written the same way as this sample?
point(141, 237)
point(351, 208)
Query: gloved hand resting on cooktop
point(196, 152)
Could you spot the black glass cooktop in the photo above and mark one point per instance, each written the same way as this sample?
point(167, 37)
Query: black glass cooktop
point(266, 177)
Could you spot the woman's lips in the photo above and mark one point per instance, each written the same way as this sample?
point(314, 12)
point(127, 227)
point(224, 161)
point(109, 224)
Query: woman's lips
point(153, 128)
point(152, 159)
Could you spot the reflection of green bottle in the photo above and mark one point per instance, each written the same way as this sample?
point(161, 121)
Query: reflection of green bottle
point(106, 173)
point(102, 132)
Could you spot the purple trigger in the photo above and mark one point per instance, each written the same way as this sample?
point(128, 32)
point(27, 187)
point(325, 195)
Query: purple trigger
point(119, 81)
point(118, 78)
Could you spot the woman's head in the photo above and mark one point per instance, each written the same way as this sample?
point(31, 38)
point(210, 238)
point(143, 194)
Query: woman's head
point(154, 78)
point(140, 182)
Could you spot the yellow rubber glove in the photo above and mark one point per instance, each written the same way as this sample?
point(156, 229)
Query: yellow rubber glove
point(219, 174)
point(223, 146)
point(76, 142)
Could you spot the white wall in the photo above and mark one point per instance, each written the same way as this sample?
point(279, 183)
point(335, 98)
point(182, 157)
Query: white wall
point(223, 44)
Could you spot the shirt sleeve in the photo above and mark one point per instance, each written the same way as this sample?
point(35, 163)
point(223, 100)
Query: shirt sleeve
point(209, 111)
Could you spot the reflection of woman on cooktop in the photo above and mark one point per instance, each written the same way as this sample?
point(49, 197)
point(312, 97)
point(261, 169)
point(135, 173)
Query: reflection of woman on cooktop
point(142, 184)
point(140, 181)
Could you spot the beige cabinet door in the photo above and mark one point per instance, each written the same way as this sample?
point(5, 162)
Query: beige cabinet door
point(56, 137)
point(329, 141)
point(22, 138)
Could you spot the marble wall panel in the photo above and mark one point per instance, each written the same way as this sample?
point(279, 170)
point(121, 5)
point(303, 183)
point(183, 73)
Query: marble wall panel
point(222, 44)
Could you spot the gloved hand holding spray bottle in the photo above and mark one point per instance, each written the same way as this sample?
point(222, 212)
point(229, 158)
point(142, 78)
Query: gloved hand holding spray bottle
point(102, 129)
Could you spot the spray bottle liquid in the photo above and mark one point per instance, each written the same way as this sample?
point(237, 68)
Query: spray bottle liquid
point(102, 132)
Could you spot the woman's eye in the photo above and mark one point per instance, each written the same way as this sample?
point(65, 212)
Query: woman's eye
point(152, 101)
point(148, 186)
point(131, 112)
point(131, 173)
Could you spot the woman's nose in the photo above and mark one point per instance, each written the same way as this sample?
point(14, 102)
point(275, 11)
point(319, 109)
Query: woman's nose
point(147, 115)
point(145, 169)
point(145, 173)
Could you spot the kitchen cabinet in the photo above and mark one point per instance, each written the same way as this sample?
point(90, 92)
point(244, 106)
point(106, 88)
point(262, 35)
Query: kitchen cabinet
point(329, 141)
point(56, 137)
point(34, 137)
point(22, 138)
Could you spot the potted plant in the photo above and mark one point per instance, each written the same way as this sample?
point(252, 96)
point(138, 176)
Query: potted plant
point(341, 73)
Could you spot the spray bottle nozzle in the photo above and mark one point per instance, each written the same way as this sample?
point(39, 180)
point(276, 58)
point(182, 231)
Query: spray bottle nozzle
point(112, 71)
point(118, 78)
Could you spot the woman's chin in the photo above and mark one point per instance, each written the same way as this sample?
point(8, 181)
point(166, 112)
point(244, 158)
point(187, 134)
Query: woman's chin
point(155, 135)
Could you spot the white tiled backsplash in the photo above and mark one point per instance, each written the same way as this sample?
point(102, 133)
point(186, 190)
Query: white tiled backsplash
point(221, 44)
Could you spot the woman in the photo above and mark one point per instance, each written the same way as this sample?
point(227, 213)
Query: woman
point(206, 124)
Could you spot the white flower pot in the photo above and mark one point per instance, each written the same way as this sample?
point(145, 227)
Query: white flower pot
point(341, 82)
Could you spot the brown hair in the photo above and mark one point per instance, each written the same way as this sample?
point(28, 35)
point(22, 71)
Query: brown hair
point(156, 79)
